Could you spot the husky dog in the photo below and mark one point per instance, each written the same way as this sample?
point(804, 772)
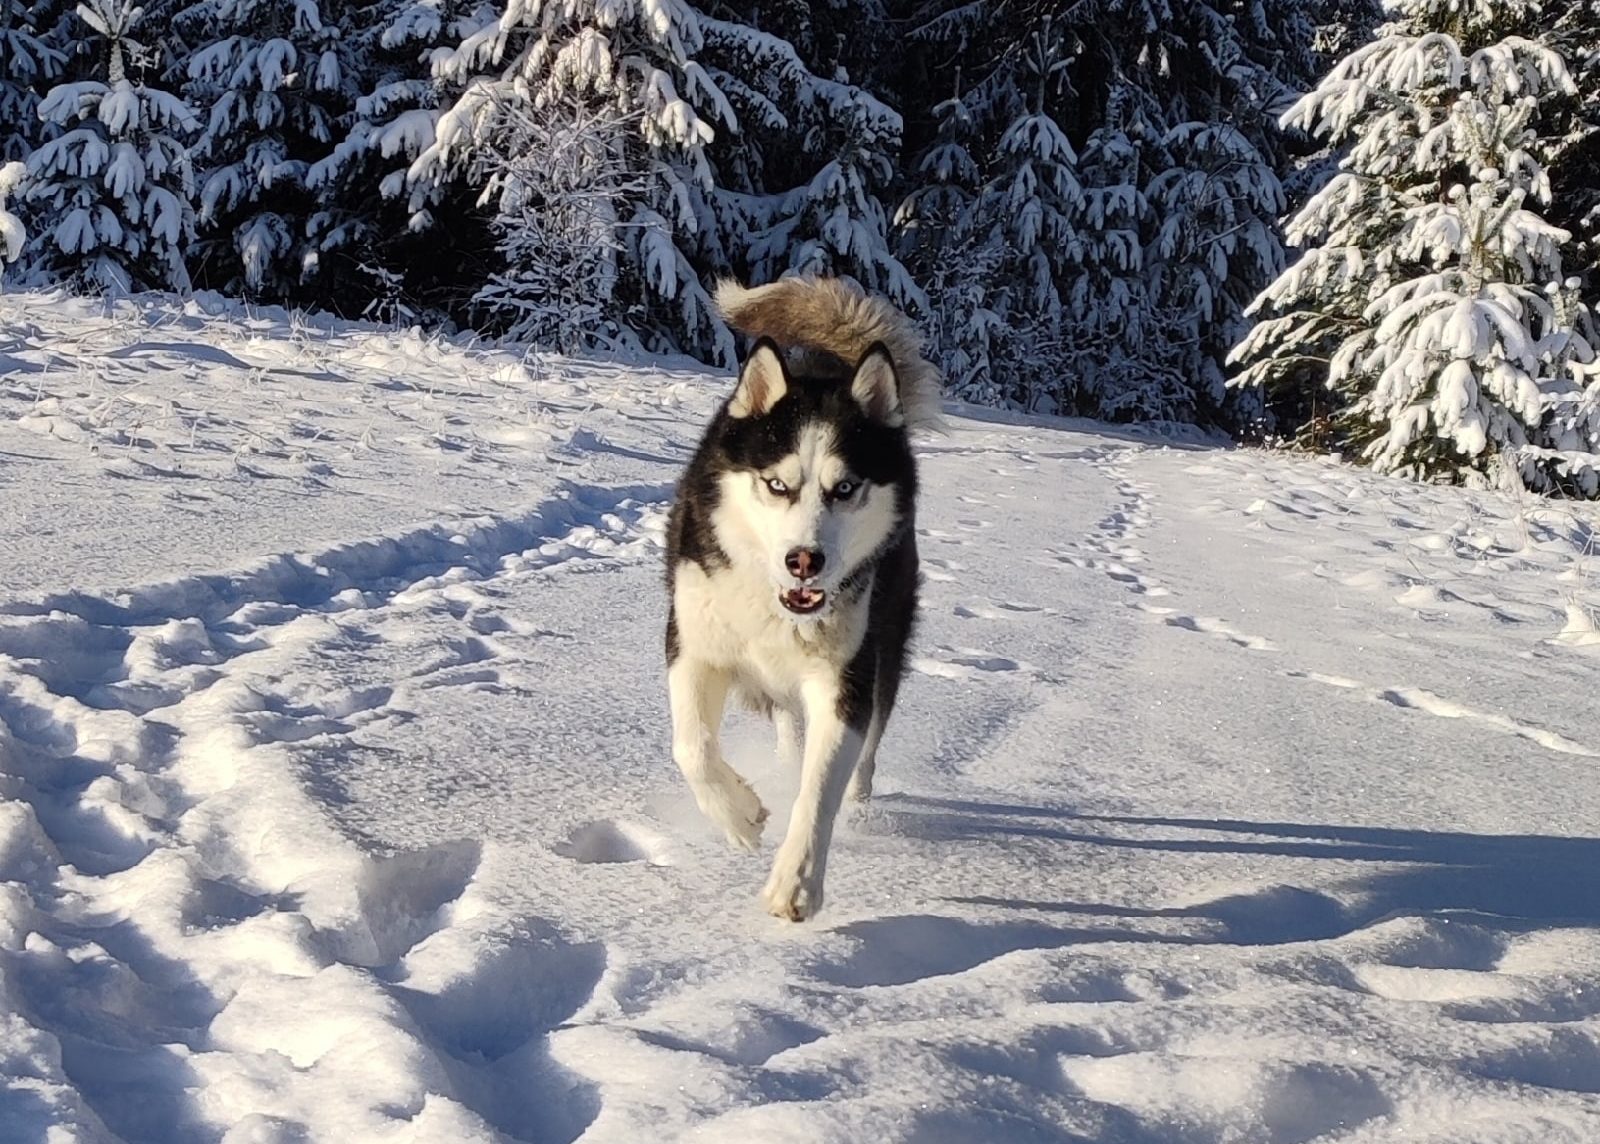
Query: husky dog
point(792, 560)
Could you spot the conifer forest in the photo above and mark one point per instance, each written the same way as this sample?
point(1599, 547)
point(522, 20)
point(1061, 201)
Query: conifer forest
point(1363, 228)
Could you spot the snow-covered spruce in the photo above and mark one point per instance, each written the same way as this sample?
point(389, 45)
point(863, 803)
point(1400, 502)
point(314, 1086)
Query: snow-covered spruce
point(638, 59)
point(1168, 223)
point(564, 188)
point(1114, 334)
point(1575, 175)
point(364, 243)
point(726, 153)
point(1215, 204)
point(115, 182)
point(1025, 212)
point(28, 60)
point(1431, 297)
point(274, 80)
point(939, 230)
point(1566, 454)
point(799, 186)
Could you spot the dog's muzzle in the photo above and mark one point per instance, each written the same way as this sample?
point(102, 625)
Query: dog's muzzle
point(804, 564)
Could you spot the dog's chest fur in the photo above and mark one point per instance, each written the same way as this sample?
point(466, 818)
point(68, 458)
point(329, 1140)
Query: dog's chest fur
point(729, 617)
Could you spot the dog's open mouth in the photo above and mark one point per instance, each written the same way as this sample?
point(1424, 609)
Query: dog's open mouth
point(803, 601)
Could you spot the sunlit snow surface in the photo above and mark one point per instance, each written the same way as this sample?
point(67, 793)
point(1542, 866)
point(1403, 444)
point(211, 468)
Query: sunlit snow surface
point(1233, 797)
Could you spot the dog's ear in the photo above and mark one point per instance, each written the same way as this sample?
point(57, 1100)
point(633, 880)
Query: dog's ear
point(761, 383)
point(876, 387)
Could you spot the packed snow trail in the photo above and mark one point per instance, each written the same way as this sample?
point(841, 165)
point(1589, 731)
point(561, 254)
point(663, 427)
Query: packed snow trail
point(1231, 797)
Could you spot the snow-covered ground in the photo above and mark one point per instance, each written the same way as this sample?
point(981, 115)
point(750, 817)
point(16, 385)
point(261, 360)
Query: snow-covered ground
point(1234, 797)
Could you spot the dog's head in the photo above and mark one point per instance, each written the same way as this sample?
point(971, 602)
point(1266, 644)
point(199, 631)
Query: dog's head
point(816, 472)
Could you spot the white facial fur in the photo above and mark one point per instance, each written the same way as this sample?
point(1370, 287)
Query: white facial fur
point(758, 528)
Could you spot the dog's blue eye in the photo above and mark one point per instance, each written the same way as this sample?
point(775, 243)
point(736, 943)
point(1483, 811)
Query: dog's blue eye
point(843, 489)
point(776, 486)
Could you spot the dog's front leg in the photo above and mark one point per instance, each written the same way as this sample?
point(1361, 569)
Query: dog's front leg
point(698, 691)
point(834, 733)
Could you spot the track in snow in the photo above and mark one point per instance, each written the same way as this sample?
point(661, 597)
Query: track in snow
point(192, 919)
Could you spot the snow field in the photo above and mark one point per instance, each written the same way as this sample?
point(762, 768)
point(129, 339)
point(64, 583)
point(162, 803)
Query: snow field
point(173, 874)
point(1233, 797)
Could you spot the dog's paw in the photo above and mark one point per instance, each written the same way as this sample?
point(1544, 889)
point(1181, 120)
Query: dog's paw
point(729, 802)
point(793, 891)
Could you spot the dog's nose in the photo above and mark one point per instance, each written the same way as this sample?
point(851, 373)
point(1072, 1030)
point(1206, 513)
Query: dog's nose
point(804, 563)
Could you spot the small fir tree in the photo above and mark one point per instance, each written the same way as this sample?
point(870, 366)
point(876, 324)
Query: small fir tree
point(115, 181)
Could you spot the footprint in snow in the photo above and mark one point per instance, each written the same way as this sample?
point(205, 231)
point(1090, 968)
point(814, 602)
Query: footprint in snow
point(965, 663)
point(605, 841)
point(1214, 627)
point(997, 610)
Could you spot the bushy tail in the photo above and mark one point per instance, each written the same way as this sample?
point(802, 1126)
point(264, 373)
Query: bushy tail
point(833, 315)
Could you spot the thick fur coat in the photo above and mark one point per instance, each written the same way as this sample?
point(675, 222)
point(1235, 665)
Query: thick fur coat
point(792, 560)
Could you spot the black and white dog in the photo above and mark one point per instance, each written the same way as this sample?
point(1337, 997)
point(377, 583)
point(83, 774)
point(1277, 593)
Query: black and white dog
point(792, 560)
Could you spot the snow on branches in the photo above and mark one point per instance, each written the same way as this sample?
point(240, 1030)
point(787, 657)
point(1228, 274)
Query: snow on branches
point(115, 179)
point(1430, 297)
point(12, 235)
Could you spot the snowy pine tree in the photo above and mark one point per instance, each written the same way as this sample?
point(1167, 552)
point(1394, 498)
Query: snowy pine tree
point(1571, 439)
point(371, 247)
point(835, 222)
point(1162, 108)
point(1190, 110)
point(1575, 169)
point(1114, 339)
point(1431, 291)
point(939, 232)
point(1216, 242)
point(1341, 26)
point(636, 58)
point(1565, 457)
point(28, 62)
point(275, 80)
point(563, 187)
point(800, 185)
point(1026, 213)
point(115, 182)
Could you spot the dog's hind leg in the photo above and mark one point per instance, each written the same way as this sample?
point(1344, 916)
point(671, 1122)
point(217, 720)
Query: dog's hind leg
point(837, 717)
point(860, 789)
point(698, 692)
point(787, 725)
point(883, 697)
